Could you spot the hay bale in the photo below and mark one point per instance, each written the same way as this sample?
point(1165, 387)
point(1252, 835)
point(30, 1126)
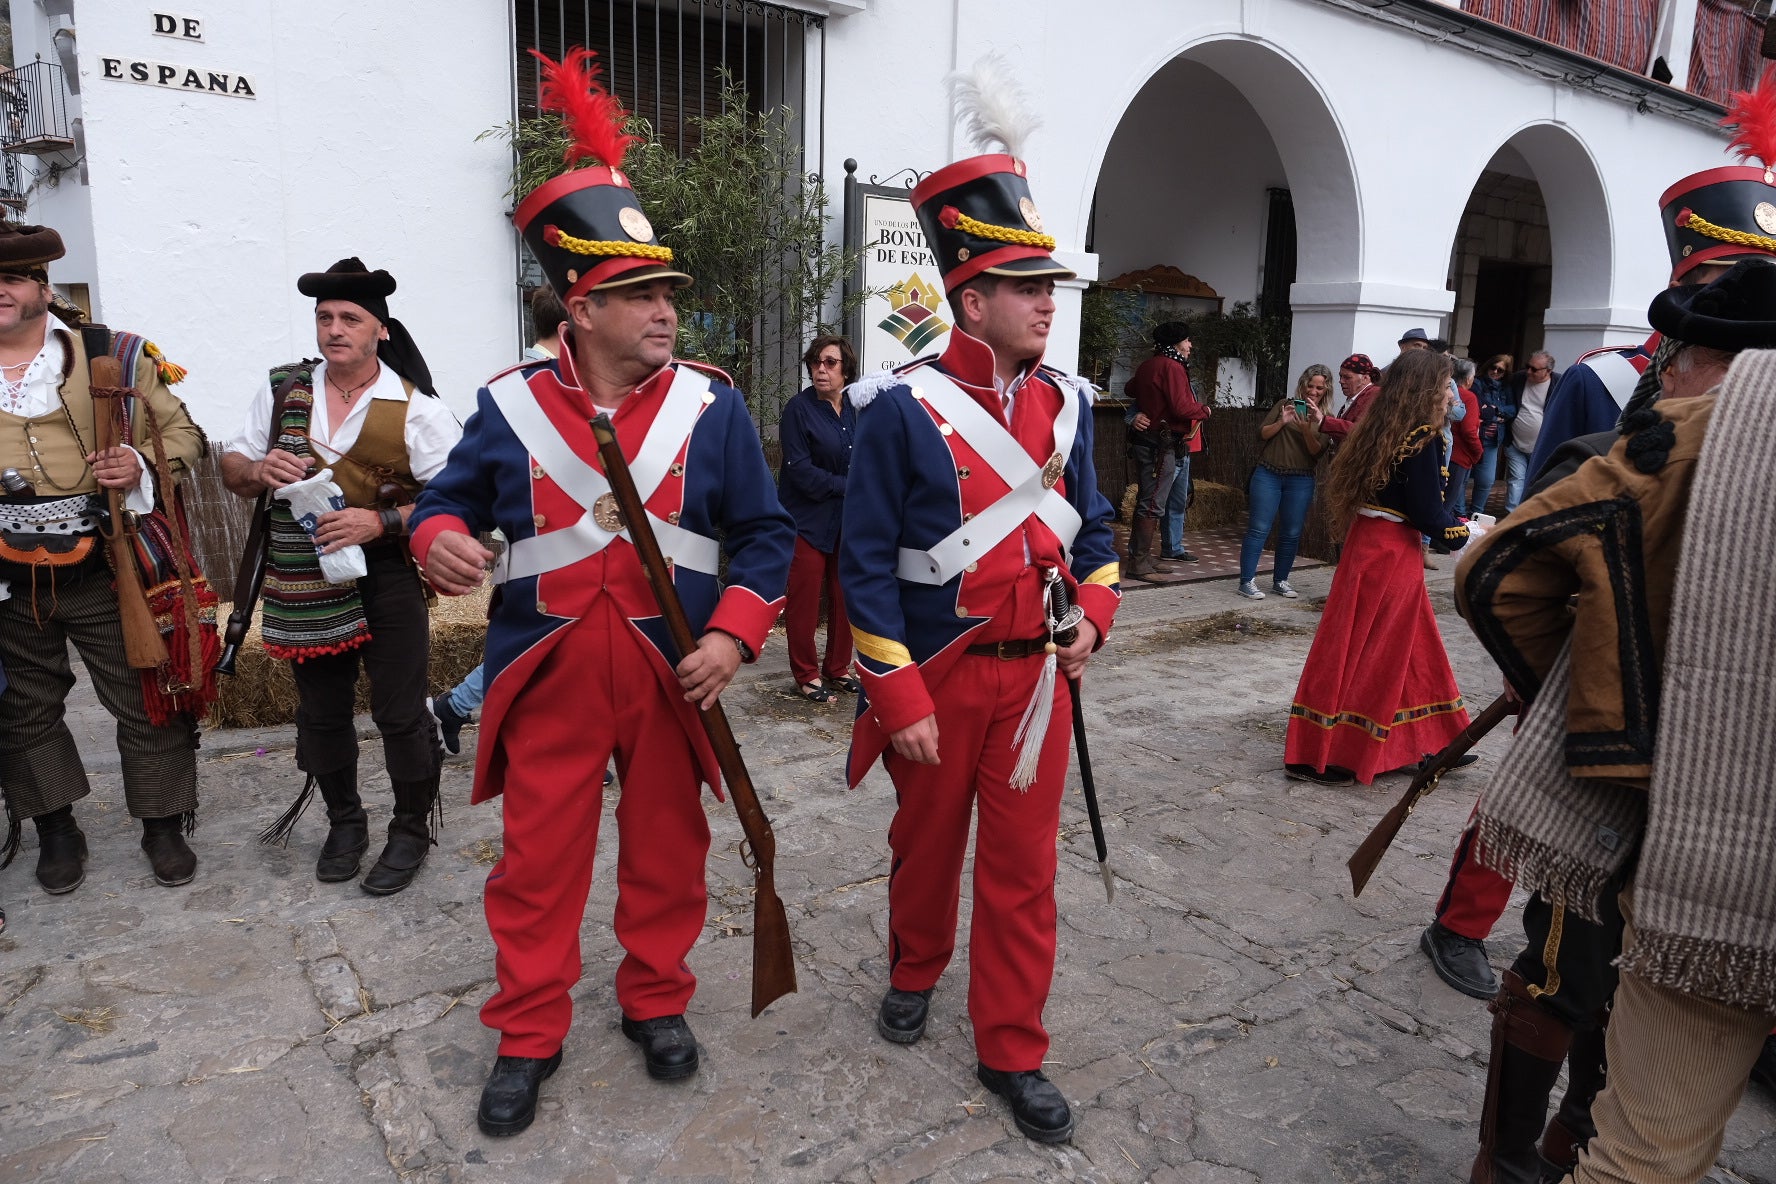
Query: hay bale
point(262, 692)
point(1216, 506)
point(1212, 507)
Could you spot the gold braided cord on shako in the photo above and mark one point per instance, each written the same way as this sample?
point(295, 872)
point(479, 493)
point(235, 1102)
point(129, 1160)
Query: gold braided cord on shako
point(1690, 220)
point(556, 237)
point(1002, 234)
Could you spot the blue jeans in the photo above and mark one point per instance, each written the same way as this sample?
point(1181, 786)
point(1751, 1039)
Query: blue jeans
point(1517, 470)
point(1485, 477)
point(465, 700)
point(1455, 495)
point(1269, 494)
point(1171, 523)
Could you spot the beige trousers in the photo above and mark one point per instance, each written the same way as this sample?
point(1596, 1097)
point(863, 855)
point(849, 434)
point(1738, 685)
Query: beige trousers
point(1677, 1067)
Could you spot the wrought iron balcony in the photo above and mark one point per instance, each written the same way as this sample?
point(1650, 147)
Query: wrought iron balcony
point(34, 114)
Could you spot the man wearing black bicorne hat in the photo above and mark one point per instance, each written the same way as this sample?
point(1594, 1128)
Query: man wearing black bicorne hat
point(59, 588)
point(366, 411)
point(578, 666)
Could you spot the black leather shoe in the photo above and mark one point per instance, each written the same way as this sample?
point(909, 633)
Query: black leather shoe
point(343, 851)
point(1036, 1104)
point(61, 851)
point(509, 1099)
point(171, 857)
point(1459, 961)
point(399, 862)
point(902, 1015)
point(666, 1045)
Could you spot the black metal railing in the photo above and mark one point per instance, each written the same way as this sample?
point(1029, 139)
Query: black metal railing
point(667, 61)
point(34, 109)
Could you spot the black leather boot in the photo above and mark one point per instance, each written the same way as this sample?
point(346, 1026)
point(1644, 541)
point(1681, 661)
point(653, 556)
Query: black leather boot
point(1571, 1127)
point(1528, 1044)
point(902, 1016)
point(1036, 1103)
point(509, 1099)
point(409, 838)
point(61, 851)
point(348, 829)
point(667, 1046)
point(171, 857)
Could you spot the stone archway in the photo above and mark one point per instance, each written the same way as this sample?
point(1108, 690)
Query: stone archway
point(1536, 232)
point(1190, 180)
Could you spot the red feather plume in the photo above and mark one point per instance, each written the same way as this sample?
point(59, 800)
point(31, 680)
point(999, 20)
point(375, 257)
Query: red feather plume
point(593, 115)
point(1753, 112)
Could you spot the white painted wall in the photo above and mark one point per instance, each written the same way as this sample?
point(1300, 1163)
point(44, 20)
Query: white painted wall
point(1361, 117)
point(206, 208)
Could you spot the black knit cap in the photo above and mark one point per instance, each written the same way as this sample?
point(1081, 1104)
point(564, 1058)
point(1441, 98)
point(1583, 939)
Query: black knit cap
point(25, 249)
point(1735, 312)
point(351, 281)
point(1170, 333)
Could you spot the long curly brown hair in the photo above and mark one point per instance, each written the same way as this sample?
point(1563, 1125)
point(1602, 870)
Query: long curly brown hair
point(1414, 391)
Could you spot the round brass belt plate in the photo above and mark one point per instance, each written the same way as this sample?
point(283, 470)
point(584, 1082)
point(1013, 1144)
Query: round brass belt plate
point(607, 514)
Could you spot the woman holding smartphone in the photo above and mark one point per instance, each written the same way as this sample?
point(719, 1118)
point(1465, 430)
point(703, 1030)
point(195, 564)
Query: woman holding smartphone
point(1283, 482)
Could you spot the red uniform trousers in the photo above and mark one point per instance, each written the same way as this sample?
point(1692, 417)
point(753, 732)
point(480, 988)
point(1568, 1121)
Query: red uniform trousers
point(810, 570)
point(1011, 941)
point(1475, 897)
point(594, 694)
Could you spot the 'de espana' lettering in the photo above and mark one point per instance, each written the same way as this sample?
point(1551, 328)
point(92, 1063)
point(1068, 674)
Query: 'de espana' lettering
point(182, 78)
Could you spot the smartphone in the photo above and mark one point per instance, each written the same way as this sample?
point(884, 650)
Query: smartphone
point(1301, 408)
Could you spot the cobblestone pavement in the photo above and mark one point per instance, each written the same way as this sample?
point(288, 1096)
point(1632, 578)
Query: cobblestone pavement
point(1235, 1017)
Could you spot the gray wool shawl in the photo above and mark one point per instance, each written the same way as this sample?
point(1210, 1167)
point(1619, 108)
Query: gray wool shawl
point(1704, 833)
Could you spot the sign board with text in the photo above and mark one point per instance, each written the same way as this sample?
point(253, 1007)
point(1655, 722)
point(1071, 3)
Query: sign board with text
point(905, 316)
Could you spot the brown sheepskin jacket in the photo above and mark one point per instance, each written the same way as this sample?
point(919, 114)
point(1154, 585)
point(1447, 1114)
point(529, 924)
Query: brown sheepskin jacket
point(1593, 556)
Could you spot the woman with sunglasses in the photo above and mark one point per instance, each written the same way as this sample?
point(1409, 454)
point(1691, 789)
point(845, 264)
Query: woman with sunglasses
point(815, 433)
point(1498, 407)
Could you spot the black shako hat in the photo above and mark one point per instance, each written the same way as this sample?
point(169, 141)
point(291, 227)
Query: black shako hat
point(24, 250)
point(1726, 214)
point(977, 214)
point(350, 280)
point(1736, 312)
point(586, 227)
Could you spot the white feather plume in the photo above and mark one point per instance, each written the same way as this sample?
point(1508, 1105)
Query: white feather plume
point(991, 106)
point(863, 392)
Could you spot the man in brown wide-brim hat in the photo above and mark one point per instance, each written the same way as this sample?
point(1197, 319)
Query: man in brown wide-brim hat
point(59, 588)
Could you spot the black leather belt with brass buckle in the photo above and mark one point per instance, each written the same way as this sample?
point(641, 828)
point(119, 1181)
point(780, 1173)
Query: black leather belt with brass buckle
point(1008, 650)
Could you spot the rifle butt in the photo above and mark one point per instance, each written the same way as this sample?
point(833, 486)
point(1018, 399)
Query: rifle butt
point(1368, 857)
point(773, 962)
point(143, 646)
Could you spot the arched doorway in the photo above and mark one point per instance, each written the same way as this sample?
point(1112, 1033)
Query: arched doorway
point(1533, 260)
point(1229, 166)
point(1229, 176)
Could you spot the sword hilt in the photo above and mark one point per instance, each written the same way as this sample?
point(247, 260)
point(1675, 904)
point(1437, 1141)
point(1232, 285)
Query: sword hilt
point(1061, 598)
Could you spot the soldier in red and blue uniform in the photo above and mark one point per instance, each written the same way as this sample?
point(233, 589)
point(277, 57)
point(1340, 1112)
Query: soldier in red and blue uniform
point(579, 664)
point(971, 488)
point(1712, 219)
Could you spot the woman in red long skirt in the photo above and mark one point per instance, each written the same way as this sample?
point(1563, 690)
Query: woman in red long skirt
point(1377, 693)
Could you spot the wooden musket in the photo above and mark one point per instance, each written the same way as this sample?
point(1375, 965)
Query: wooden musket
point(773, 962)
point(142, 644)
point(1362, 865)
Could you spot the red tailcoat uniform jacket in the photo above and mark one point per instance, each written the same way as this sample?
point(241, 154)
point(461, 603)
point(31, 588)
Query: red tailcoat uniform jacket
point(916, 478)
point(579, 667)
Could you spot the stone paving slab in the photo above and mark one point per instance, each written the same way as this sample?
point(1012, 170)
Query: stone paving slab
point(1233, 1018)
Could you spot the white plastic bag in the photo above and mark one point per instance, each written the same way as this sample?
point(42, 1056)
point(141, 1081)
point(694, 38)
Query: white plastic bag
point(311, 497)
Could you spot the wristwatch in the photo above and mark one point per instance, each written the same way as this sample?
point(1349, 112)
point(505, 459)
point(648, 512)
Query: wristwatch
point(746, 654)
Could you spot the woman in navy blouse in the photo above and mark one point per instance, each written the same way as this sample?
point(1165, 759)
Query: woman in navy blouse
point(816, 432)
